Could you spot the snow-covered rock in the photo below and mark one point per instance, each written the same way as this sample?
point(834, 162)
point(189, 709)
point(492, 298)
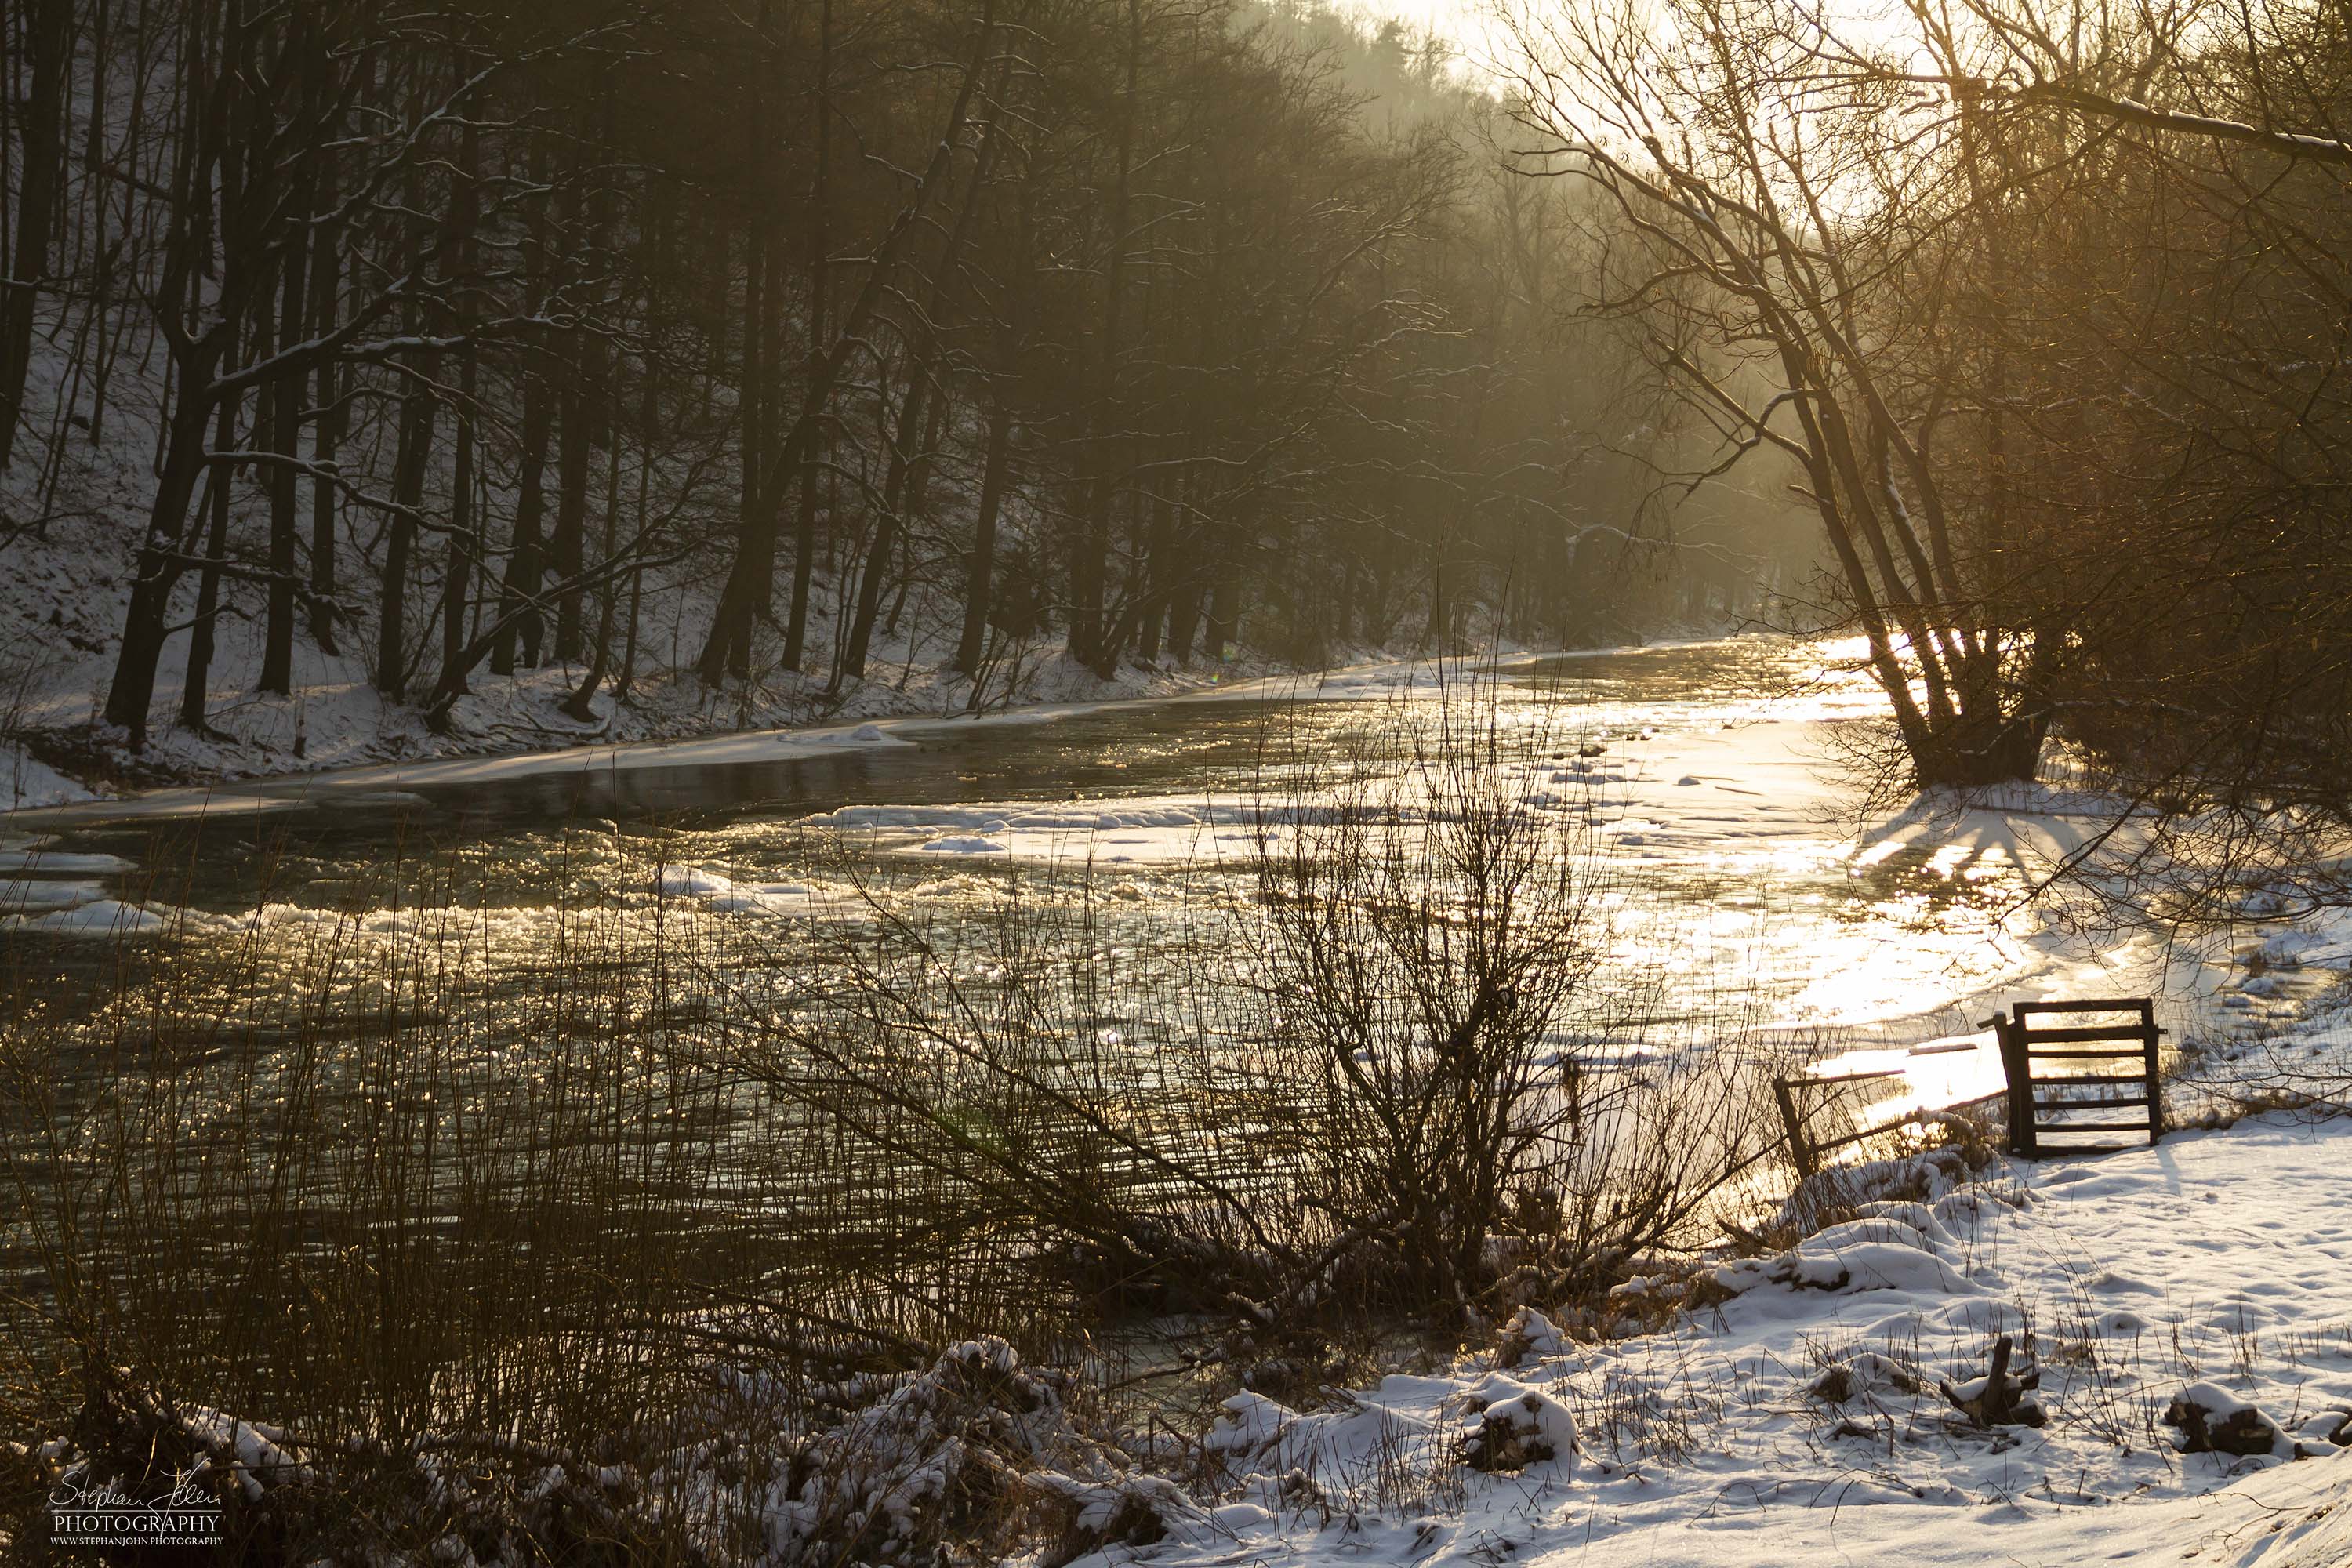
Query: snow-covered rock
point(2209, 1419)
point(1517, 1425)
point(1879, 1253)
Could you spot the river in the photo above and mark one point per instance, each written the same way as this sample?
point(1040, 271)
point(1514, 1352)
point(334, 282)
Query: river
point(1739, 857)
point(479, 967)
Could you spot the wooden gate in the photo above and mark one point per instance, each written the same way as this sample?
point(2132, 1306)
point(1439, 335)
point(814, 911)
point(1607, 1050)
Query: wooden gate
point(2038, 1055)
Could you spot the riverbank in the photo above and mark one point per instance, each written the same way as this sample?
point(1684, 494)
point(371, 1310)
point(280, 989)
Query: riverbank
point(60, 622)
point(515, 725)
point(337, 720)
point(645, 736)
point(1801, 1419)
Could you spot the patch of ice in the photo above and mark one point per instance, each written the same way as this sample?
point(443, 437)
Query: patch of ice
point(60, 862)
point(31, 895)
point(104, 916)
point(691, 883)
point(963, 844)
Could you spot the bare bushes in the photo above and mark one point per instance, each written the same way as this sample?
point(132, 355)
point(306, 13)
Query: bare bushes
point(1049, 1112)
point(1372, 1076)
point(1490, 1120)
point(1429, 922)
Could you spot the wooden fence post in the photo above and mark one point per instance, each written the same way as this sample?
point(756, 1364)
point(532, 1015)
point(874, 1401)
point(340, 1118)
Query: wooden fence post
point(1798, 1150)
point(2019, 1069)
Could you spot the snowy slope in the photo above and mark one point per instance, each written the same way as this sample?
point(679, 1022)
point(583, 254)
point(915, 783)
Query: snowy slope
point(1797, 1421)
point(65, 584)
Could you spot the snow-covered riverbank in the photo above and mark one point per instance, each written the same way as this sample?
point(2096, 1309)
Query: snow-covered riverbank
point(60, 620)
point(1799, 1420)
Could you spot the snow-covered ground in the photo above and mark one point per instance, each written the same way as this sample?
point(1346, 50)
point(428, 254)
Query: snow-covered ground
point(1799, 1420)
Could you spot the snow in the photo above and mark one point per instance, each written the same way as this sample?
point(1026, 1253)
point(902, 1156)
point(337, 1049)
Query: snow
point(1718, 1440)
point(27, 782)
point(1884, 1252)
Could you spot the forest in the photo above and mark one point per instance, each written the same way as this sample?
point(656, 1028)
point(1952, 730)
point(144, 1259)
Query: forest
point(2044, 309)
point(719, 349)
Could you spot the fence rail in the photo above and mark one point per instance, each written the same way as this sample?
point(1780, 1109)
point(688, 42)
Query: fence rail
point(2039, 1096)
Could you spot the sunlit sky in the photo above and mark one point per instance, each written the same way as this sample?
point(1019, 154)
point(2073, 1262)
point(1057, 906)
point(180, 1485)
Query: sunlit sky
point(1477, 39)
point(1466, 22)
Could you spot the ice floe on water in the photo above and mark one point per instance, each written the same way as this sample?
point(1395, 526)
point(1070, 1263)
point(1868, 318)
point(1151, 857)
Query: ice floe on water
point(963, 844)
point(28, 896)
point(95, 917)
point(46, 861)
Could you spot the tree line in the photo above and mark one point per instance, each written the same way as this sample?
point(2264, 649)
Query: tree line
point(2041, 307)
point(472, 342)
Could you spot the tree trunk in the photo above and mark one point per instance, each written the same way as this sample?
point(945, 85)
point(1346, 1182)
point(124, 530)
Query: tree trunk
point(567, 545)
point(649, 429)
point(918, 504)
point(980, 574)
point(1185, 617)
point(1159, 566)
point(285, 402)
point(1433, 630)
point(755, 531)
point(582, 704)
point(417, 407)
point(525, 566)
point(326, 438)
point(131, 690)
point(195, 688)
point(1223, 608)
point(41, 133)
point(327, 431)
point(1090, 551)
point(886, 528)
point(465, 544)
point(805, 525)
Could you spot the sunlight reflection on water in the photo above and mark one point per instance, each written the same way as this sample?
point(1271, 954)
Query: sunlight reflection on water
point(1736, 897)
